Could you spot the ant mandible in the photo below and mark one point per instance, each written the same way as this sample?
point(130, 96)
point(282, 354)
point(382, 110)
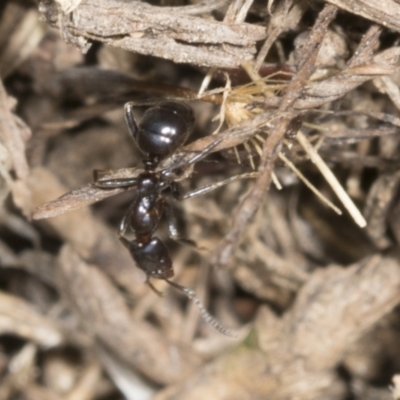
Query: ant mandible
point(162, 130)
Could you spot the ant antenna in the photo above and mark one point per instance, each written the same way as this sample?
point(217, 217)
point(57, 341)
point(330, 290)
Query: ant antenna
point(203, 312)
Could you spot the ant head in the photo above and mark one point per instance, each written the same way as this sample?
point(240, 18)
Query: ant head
point(164, 128)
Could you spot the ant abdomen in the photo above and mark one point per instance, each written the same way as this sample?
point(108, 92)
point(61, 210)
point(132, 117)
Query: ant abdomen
point(164, 128)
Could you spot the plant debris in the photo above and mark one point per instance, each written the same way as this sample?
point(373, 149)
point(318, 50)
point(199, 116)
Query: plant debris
point(301, 261)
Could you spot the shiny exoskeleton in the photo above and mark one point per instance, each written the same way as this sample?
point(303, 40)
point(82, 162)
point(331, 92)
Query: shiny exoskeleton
point(162, 130)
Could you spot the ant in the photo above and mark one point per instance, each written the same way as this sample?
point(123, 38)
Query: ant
point(162, 130)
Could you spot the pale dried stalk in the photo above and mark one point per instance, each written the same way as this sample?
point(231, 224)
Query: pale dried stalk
point(276, 182)
point(309, 184)
point(332, 180)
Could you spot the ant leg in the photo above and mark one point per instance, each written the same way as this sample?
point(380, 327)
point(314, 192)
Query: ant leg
point(205, 152)
point(176, 190)
point(116, 183)
point(152, 287)
point(173, 227)
point(130, 121)
point(214, 186)
point(112, 183)
point(124, 224)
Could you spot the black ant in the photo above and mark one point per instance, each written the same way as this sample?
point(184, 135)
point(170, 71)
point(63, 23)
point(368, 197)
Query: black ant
point(162, 130)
